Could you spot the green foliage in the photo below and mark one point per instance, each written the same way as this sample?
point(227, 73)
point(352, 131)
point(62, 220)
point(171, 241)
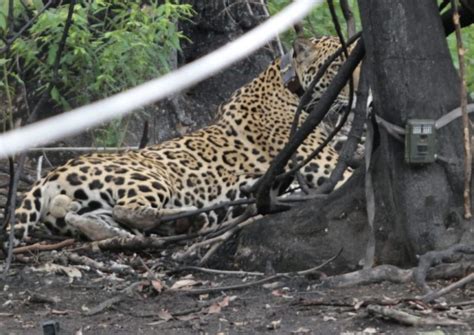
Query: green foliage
point(319, 22)
point(111, 45)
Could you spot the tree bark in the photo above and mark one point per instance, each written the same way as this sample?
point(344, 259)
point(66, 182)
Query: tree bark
point(413, 77)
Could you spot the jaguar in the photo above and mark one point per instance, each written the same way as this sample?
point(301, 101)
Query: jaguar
point(126, 193)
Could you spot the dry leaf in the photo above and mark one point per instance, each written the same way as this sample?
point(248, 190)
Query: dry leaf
point(214, 309)
point(187, 317)
point(358, 304)
point(184, 283)
point(204, 296)
point(58, 312)
point(272, 285)
point(224, 302)
point(301, 331)
point(274, 325)
point(156, 323)
point(282, 294)
point(165, 315)
point(157, 285)
point(370, 330)
point(69, 271)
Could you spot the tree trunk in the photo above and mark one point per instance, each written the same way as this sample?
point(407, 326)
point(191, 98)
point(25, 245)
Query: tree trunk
point(413, 77)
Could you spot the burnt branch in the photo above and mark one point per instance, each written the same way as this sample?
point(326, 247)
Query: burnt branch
point(349, 17)
point(341, 122)
point(264, 203)
point(145, 136)
point(355, 134)
point(306, 98)
point(337, 26)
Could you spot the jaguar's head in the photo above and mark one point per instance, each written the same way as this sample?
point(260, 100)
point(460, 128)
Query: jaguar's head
point(309, 55)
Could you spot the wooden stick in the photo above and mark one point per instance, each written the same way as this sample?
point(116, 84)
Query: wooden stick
point(465, 118)
point(44, 247)
point(410, 319)
point(434, 295)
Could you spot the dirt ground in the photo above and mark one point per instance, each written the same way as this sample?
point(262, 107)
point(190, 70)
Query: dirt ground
point(88, 291)
point(51, 286)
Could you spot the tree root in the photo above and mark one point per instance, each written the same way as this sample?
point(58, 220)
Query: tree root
point(436, 257)
point(393, 274)
point(410, 319)
point(368, 276)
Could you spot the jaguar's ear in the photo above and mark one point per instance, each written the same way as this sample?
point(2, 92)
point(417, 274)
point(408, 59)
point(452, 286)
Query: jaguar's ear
point(302, 48)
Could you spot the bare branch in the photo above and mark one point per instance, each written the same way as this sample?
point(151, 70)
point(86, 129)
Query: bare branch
point(410, 319)
point(349, 17)
point(264, 203)
point(465, 119)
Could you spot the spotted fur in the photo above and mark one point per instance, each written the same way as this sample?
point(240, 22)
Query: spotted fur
point(127, 193)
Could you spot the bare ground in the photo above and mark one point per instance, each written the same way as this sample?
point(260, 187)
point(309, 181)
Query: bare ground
point(155, 303)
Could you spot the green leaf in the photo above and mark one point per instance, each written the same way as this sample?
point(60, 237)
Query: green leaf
point(55, 94)
point(3, 21)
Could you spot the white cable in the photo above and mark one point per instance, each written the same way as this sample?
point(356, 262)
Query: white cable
point(79, 119)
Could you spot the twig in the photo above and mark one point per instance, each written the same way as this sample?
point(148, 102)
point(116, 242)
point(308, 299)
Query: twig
point(145, 136)
point(465, 119)
point(39, 167)
point(44, 247)
point(214, 271)
point(221, 236)
point(227, 288)
point(104, 305)
point(257, 282)
point(410, 319)
point(84, 260)
point(462, 303)
point(434, 295)
point(224, 237)
point(112, 301)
